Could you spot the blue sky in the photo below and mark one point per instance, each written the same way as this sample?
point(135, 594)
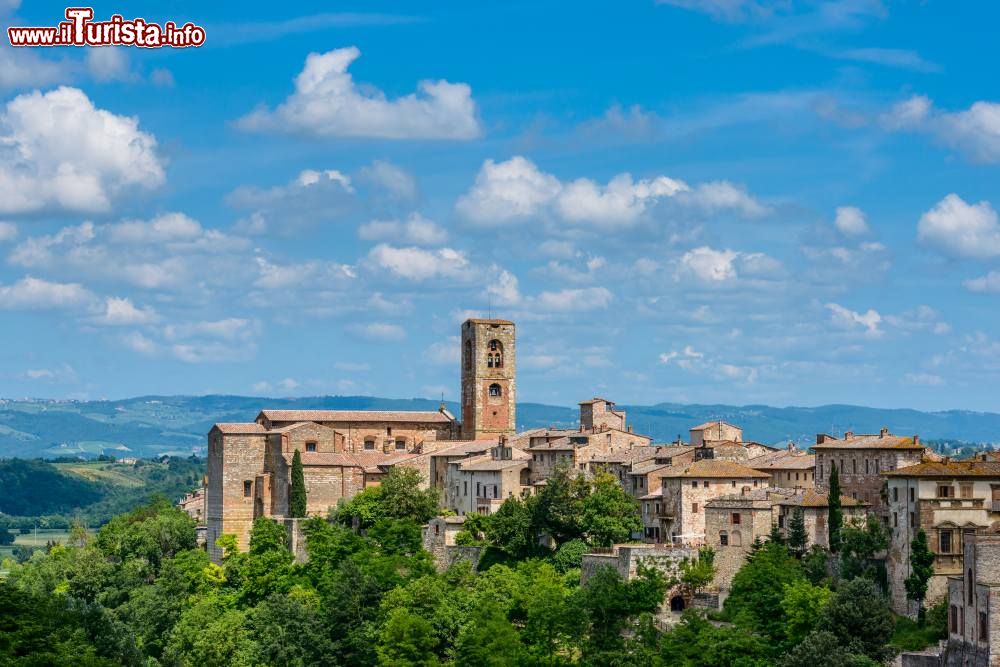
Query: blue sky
point(791, 203)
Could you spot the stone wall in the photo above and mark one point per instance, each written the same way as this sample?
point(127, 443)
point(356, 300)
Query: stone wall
point(234, 459)
point(860, 471)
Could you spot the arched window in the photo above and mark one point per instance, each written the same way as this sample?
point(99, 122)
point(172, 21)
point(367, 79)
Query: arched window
point(496, 353)
point(495, 391)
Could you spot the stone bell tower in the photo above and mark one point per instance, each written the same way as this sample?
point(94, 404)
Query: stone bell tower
point(489, 371)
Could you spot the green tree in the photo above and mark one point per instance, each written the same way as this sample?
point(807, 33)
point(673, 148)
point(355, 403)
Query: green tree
point(859, 616)
point(569, 555)
point(289, 632)
point(6, 536)
point(398, 496)
point(607, 514)
point(835, 515)
point(512, 527)
point(557, 510)
point(211, 632)
point(488, 639)
point(699, 572)
point(819, 648)
point(860, 543)
point(802, 604)
point(297, 491)
point(407, 640)
point(695, 642)
point(798, 538)
point(921, 570)
point(608, 603)
point(758, 589)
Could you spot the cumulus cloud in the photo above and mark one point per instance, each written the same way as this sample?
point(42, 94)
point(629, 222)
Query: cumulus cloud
point(118, 311)
point(683, 358)
point(444, 353)
point(709, 265)
point(415, 229)
point(989, 283)
point(314, 196)
point(418, 264)
point(846, 318)
point(850, 221)
point(311, 272)
point(109, 64)
point(958, 229)
point(391, 179)
point(975, 132)
point(328, 103)
point(517, 190)
point(504, 289)
point(30, 293)
point(58, 151)
point(212, 341)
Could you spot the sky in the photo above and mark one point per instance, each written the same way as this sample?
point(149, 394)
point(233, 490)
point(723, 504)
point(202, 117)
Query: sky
point(705, 201)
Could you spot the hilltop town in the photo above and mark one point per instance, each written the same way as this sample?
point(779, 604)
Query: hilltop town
point(717, 490)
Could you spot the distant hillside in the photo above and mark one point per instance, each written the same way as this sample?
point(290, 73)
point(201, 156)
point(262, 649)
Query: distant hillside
point(151, 425)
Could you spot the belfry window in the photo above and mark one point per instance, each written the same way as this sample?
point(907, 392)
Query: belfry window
point(495, 391)
point(494, 357)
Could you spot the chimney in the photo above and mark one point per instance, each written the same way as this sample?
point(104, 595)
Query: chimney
point(792, 447)
point(883, 432)
point(916, 439)
point(848, 435)
point(629, 429)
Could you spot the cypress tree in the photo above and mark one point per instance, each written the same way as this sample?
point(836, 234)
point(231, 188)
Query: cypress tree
point(835, 518)
point(297, 494)
point(921, 571)
point(798, 538)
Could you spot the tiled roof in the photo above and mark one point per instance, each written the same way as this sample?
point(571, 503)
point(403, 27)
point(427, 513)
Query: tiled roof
point(653, 495)
point(559, 444)
point(872, 442)
point(292, 427)
point(708, 425)
point(241, 428)
point(355, 416)
point(466, 447)
point(712, 468)
point(487, 462)
point(787, 462)
point(596, 399)
point(948, 469)
point(647, 468)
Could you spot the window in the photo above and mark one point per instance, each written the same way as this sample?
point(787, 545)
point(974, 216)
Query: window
point(388, 430)
point(369, 443)
point(694, 484)
point(911, 494)
point(247, 488)
point(866, 466)
point(465, 488)
point(796, 477)
point(944, 541)
point(705, 484)
point(694, 508)
point(477, 490)
point(895, 520)
point(788, 476)
point(723, 538)
point(966, 490)
point(821, 471)
point(657, 508)
point(945, 491)
point(310, 446)
point(984, 627)
point(969, 585)
point(494, 356)
point(736, 518)
point(954, 619)
point(734, 483)
point(895, 494)
point(913, 520)
point(495, 391)
point(755, 482)
point(854, 466)
point(400, 443)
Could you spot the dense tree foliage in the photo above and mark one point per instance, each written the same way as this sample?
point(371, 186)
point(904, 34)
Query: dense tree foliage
point(835, 515)
point(399, 496)
point(921, 570)
point(297, 489)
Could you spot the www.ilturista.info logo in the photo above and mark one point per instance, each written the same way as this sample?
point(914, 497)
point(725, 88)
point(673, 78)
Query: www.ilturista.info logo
point(81, 30)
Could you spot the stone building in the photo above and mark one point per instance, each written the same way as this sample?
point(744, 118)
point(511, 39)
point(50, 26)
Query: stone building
point(716, 431)
point(599, 414)
point(578, 449)
point(489, 386)
point(815, 508)
point(974, 604)
point(626, 559)
point(686, 489)
point(789, 468)
point(861, 460)
point(944, 499)
point(482, 483)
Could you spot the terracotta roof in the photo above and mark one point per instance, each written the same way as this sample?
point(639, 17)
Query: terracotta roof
point(766, 496)
point(559, 444)
point(292, 427)
point(787, 462)
point(948, 469)
point(486, 462)
point(873, 442)
point(241, 428)
point(708, 425)
point(466, 447)
point(647, 468)
point(813, 498)
point(712, 468)
point(354, 416)
point(652, 495)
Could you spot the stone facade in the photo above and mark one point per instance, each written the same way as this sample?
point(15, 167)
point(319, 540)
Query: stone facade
point(482, 483)
point(715, 431)
point(943, 499)
point(489, 387)
point(861, 460)
point(439, 541)
point(974, 604)
point(686, 490)
point(599, 414)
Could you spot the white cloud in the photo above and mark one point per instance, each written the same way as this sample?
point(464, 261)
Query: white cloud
point(121, 311)
point(924, 379)
point(327, 103)
point(310, 272)
point(418, 264)
point(393, 180)
point(539, 361)
point(137, 342)
point(446, 353)
point(517, 191)
point(39, 374)
point(747, 374)
point(988, 283)
point(415, 229)
point(709, 265)
point(232, 329)
point(504, 289)
point(163, 229)
point(57, 150)
point(8, 231)
point(314, 196)
point(974, 131)
point(959, 229)
point(109, 64)
point(849, 319)
point(574, 300)
point(35, 294)
point(681, 357)
point(507, 191)
point(850, 221)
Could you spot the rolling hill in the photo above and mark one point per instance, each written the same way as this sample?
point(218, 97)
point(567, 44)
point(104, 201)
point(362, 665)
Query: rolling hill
point(153, 425)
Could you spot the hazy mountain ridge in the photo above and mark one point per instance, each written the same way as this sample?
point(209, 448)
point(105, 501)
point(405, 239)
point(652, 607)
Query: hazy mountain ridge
point(148, 425)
